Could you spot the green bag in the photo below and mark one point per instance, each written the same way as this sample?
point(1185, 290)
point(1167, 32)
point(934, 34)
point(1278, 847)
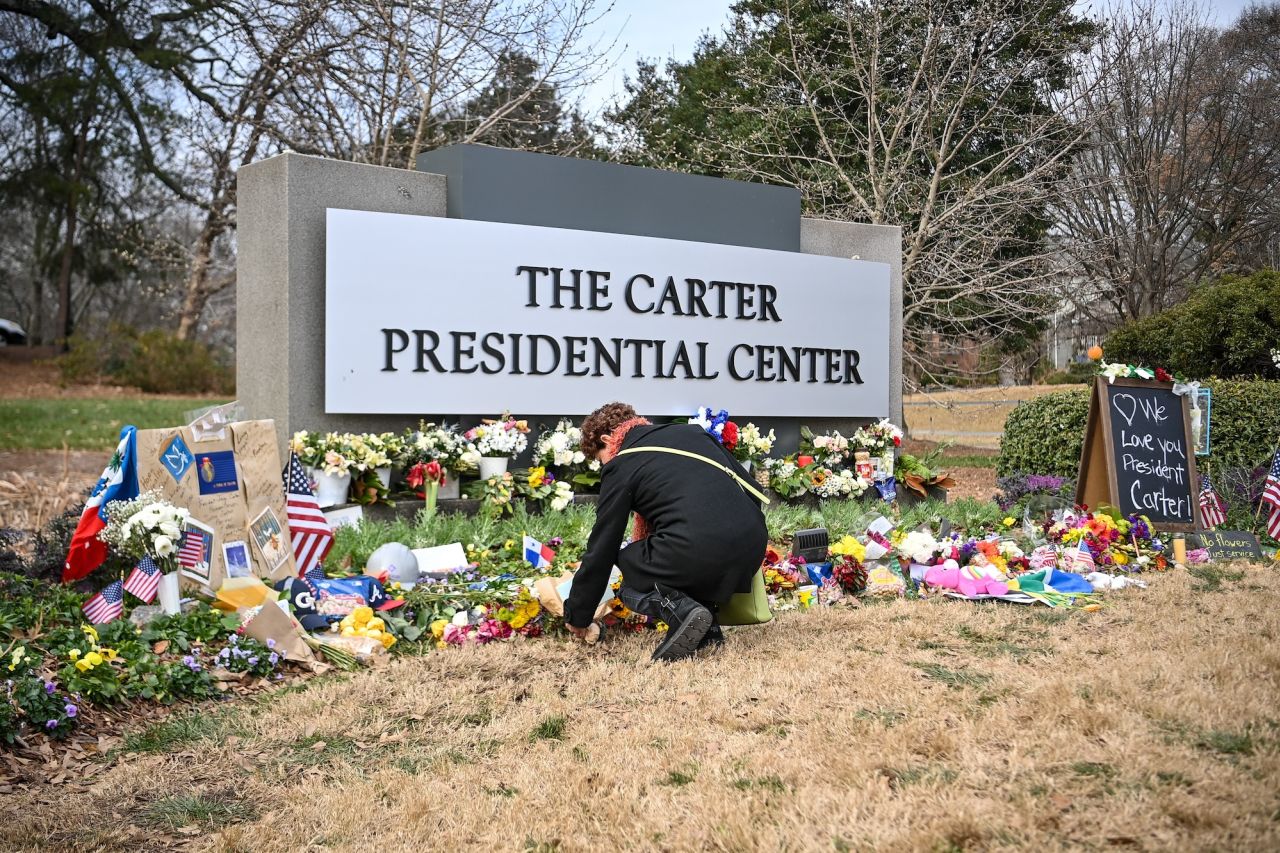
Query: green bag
point(748, 608)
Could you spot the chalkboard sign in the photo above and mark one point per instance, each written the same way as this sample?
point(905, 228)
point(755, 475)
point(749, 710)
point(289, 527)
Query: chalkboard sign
point(1138, 455)
point(1230, 545)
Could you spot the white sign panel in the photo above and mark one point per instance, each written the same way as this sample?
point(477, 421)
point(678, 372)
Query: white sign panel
point(450, 316)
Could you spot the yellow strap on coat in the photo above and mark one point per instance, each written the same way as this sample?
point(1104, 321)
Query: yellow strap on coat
point(747, 487)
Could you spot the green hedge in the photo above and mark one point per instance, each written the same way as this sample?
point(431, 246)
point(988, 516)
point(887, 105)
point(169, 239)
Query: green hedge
point(1225, 328)
point(1044, 435)
point(154, 361)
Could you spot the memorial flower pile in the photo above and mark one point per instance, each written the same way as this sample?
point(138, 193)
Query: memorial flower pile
point(843, 483)
point(878, 438)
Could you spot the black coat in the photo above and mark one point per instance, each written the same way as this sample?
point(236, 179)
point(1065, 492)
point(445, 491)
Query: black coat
point(707, 534)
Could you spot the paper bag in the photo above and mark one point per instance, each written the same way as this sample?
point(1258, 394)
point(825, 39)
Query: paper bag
point(274, 624)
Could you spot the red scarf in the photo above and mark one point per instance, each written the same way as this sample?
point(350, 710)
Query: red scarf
point(613, 443)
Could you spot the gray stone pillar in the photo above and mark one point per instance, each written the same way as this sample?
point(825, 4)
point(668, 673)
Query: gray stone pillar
point(280, 276)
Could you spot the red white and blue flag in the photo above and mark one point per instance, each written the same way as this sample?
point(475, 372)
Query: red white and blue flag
point(539, 555)
point(1271, 495)
point(1212, 510)
point(119, 482)
point(312, 536)
point(1082, 560)
point(144, 580)
point(106, 605)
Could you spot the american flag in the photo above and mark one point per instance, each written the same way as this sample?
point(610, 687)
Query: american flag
point(144, 580)
point(1211, 509)
point(1082, 560)
point(191, 554)
point(1271, 495)
point(106, 605)
point(312, 535)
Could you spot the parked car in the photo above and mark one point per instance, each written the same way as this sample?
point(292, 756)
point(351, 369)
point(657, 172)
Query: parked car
point(11, 334)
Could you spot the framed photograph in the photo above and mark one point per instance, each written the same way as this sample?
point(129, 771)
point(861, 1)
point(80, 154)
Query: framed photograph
point(236, 555)
point(196, 551)
point(268, 536)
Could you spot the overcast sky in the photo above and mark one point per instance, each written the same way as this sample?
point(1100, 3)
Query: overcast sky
point(670, 28)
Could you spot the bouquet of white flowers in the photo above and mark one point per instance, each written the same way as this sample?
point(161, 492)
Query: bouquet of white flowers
point(146, 526)
point(331, 452)
point(504, 437)
point(561, 446)
point(919, 547)
point(439, 443)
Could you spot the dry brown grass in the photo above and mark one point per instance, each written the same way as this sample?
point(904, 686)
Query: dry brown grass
point(1152, 724)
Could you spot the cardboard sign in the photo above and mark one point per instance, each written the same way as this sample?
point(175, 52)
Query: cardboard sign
point(1224, 545)
point(251, 449)
point(1138, 455)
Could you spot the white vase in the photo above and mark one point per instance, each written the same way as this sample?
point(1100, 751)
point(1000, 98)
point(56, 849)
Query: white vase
point(492, 466)
point(449, 491)
point(747, 466)
point(384, 477)
point(331, 489)
point(170, 596)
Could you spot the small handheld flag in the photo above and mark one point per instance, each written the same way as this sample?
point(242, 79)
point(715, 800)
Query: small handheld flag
point(1082, 561)
point(1271, 495)
point(538, 555)
point(106, 605)
point(144, 580)
point(1212, 510)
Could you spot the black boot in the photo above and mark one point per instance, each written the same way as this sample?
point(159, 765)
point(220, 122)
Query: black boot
point(713, 637)
point(687, 623)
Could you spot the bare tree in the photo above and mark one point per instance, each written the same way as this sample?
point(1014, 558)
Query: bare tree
point(1179, 170)
point(402, 73)
point(930, 115)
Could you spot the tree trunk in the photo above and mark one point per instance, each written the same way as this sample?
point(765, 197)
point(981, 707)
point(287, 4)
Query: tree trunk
point(66, 319)
point(197, 293)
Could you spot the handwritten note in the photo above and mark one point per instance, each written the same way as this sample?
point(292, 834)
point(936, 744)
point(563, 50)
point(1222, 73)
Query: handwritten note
point(1149, 437)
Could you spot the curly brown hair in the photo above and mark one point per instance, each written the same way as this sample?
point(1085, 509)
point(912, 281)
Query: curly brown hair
point(601, 422)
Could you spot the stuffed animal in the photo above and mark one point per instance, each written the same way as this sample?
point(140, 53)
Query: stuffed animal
point(977, 578)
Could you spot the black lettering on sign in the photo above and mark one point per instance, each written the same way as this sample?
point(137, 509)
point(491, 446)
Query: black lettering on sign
point(1148, 434)
point(1224, 545)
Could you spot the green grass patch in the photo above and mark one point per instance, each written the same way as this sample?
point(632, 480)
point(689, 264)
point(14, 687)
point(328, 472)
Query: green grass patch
point(884, 716)
point(549, 728)
point(680, 778)
point(1226, 743)
point(950, 677)
point(89, 423)
point(320, 748)
point(1094, 769)
point(764, 783)
point(175, 733)
point(967, 460)
point(1210, 577)
point(205, 810)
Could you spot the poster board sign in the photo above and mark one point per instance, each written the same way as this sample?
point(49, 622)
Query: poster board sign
point(226, 481)
point(1226, 545)
point(1138, 455)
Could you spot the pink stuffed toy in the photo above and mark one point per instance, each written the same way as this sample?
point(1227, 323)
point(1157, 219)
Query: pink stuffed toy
point(977, 578)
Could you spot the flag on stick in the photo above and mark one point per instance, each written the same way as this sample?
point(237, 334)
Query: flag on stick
point(144, 580)
point(539, 555)
point(119, 482)
point(1271, 496)
point(1212, 509)
point(312, 535)
point(106, 605)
